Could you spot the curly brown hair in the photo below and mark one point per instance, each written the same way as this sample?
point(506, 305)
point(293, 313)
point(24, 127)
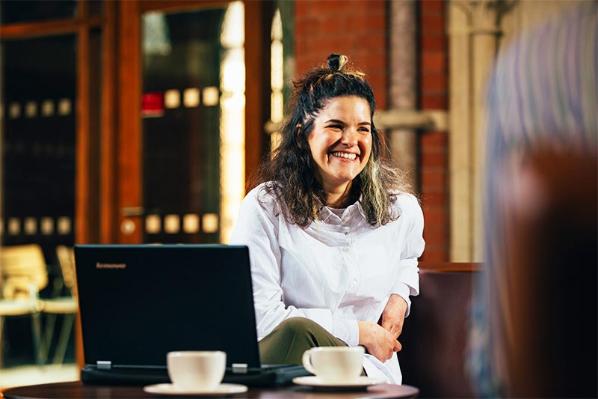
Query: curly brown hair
point(290, 176)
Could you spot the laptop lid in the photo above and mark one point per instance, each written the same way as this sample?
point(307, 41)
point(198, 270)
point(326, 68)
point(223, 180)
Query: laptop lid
point(139, 302)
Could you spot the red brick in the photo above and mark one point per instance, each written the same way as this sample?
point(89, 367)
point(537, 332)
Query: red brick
point(432, 24)
point(433, 212)
point(437, 42)
point(434, 245)
point(436, 230)
point(432, 7)
point(331, 26)
point(435, 242)
point(433, 253)
point(434, 81)
point(433, 61)
point(376, 63)
point(433, 101)
point(434, 199)
point(438, 234)
point(301, 9)
point(433, 160)
point(433, 181)
point(326, 6)
point(434, 139)
point(432, 149)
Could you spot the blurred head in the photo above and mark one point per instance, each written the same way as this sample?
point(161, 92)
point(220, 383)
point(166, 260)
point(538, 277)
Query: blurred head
point(329, 139)
point(535, 310)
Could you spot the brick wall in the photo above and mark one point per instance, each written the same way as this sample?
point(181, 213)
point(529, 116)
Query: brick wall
point(357, 29)
point(433, 146)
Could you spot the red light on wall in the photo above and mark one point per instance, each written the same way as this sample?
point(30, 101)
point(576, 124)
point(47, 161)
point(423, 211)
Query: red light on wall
point(152, 105)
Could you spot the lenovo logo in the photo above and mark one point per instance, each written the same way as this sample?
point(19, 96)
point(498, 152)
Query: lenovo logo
point(111, 265)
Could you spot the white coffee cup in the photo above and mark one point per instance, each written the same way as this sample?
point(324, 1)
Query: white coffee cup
point(334, 364)
point(196, 370)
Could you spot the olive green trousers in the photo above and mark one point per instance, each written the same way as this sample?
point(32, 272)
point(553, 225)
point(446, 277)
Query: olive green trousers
point(287, 342)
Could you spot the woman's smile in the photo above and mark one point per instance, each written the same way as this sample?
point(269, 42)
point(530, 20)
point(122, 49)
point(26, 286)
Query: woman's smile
point(345, 156)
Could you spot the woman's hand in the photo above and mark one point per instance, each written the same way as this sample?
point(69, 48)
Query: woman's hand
point(393, 315)
point(379, 342)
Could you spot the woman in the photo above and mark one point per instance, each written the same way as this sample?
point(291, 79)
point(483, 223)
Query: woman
point(333, 235)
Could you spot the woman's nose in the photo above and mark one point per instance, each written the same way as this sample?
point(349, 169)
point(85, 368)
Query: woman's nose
point(349, 137)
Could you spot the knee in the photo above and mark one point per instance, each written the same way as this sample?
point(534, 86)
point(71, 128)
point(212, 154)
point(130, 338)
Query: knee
point(298, 326)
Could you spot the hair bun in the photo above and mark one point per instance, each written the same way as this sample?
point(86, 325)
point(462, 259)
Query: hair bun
point(336, 62)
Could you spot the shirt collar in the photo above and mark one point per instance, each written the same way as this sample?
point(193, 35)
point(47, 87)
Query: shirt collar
point(351, 212)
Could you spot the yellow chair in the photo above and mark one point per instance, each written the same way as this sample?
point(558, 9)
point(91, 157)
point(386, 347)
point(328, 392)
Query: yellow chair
point(65, 305)
point(22, 274)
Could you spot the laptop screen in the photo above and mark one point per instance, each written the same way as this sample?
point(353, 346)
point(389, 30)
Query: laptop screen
point(139, 302)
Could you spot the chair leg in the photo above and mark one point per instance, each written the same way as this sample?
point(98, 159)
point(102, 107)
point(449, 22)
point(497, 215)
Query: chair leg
point(48, 335)
point(37, 342)
point(65, 334)
point(1, 342)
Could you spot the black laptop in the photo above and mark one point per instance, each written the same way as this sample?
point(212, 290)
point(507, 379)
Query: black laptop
point(139, 302)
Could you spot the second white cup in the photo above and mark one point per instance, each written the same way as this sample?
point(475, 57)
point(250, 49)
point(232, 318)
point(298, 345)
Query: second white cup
point(196, 370)
point(334, 364)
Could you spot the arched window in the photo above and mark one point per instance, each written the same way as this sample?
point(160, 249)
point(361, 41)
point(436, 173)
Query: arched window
point(276, 79)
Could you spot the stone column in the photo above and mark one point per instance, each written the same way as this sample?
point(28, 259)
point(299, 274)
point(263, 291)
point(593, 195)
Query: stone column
point(403, 83)
point(474, 30)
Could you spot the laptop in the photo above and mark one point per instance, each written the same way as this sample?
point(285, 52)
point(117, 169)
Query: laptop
point(139, 302)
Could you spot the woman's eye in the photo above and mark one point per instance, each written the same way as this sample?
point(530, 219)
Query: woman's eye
point(364, 130)
point(335, 127)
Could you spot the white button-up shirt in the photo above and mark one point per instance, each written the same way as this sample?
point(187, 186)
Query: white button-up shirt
point(336, 271)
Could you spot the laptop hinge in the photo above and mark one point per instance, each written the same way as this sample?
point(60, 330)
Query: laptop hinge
point(239, 368)
point(104, 364)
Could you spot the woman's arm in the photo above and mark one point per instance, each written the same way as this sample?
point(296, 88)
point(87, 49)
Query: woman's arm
point(398, 305)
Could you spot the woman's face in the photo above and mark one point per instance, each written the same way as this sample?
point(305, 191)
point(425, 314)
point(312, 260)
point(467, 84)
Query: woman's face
point(341, 140)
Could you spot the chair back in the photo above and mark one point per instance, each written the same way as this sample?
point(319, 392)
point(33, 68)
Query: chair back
point(435, 335)
point(66, 260)
point(23, 269)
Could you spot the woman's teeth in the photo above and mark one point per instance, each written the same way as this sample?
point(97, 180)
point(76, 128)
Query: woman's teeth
point(344, 155)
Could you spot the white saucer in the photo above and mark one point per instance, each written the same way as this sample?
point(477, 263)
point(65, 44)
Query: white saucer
point(220, 390)
point(360, 382)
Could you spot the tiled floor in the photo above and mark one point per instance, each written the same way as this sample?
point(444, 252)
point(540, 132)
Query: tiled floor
point(30, 375)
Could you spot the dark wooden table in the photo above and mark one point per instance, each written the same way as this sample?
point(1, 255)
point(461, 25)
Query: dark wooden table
point(76, 390)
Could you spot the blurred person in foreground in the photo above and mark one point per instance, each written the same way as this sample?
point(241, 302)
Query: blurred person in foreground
point(534, 324)
point(333, 233)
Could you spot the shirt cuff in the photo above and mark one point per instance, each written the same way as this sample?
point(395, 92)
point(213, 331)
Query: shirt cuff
point(403, 290)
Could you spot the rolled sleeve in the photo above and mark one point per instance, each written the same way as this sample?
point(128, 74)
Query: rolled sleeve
point(403, 291)
point(407, 283)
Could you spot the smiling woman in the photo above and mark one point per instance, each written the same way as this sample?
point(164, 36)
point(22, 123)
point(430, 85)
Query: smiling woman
point(333, 234)
point(326, 100)
point(340, 144)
